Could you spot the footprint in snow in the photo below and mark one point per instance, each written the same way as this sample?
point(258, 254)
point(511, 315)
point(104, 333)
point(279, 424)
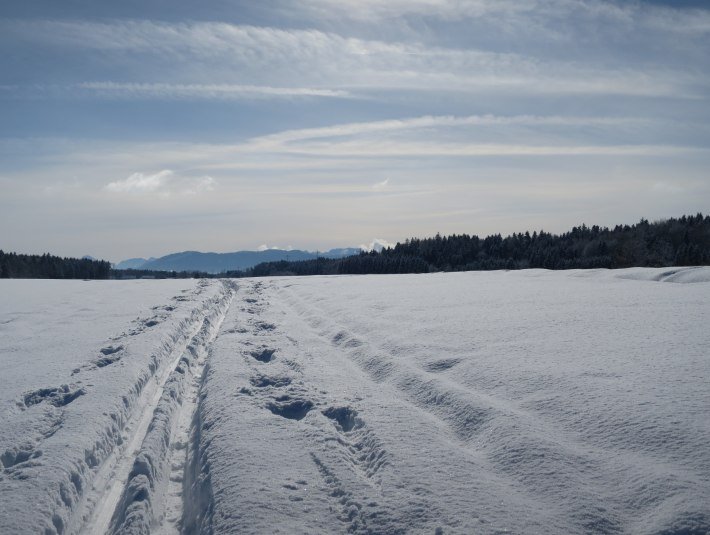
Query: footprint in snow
point(109, 356)
point(263, 381)
point(18, 454)
point(344, 418)
point(58, 396)
point(263, 355)
point(292, 409)
point(442, 365)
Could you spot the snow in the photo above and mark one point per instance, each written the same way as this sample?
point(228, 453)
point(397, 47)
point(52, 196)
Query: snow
point(685, 274)
point(78, 374)
point(484, 402)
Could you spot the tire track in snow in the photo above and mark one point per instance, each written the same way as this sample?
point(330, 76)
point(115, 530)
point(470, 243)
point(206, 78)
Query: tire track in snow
point(117, 484)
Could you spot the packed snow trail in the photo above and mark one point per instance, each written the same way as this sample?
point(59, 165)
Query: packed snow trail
point(132, 490)
point(69, 449)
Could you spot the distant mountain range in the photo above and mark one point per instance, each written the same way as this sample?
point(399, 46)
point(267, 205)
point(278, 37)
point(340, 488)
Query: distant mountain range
point(219, 262)
point(133, 263)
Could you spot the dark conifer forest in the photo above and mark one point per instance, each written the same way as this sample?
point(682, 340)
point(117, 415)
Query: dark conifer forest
point(46, 266)
point(680, 241)
point(683, 241)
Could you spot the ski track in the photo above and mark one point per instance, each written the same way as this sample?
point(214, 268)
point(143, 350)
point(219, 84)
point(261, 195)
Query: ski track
point(162, 414)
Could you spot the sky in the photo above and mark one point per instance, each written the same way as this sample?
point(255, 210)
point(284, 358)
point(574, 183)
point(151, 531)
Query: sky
point(141, 128)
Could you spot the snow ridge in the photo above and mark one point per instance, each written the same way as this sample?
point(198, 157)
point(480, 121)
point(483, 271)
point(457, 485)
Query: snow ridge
point(197, 499)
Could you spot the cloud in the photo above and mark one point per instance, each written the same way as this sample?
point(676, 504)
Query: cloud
point(381, 185)
point(332, 65)
point(510, 14)
point(140, 183)
point(441, 121)
point(204, 91)
point(198, 185)
point(379, 149)
point(359, 148)
point(164, 182)
point(464, 136)
point(376, 10)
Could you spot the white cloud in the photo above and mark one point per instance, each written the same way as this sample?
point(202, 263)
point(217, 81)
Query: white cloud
point(198, 185)
point(204, 91)
point(189, 168)
point(164, 182)
point(441, 121)
point(373, 10)
point(348, 147)
point(394, 149)
point(381, 185)
point(333, 65)
point(141, 183)
point(453, 136)
point(510, 14)
point(685, 22)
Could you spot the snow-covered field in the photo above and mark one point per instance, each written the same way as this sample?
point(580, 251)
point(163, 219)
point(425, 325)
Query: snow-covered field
point(522, 402)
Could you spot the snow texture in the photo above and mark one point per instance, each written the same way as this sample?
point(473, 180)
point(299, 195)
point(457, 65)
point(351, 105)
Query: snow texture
point(521, 402)
point(78, 375)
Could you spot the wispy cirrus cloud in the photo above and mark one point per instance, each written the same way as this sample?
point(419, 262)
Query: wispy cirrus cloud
point(437, 112)
point(419, 149)
point(204, 91)
point(356, 145)
point(511, 14)
point(329, 64)
point(427, 122)
point(462, 136)
point(419, 138)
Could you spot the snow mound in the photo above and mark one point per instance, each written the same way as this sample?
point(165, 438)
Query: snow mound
point(692, 274)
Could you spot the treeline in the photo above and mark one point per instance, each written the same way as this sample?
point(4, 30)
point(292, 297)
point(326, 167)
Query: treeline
point(123, 274)
point(46, 266)
point(672, 242)
point(364, 263)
